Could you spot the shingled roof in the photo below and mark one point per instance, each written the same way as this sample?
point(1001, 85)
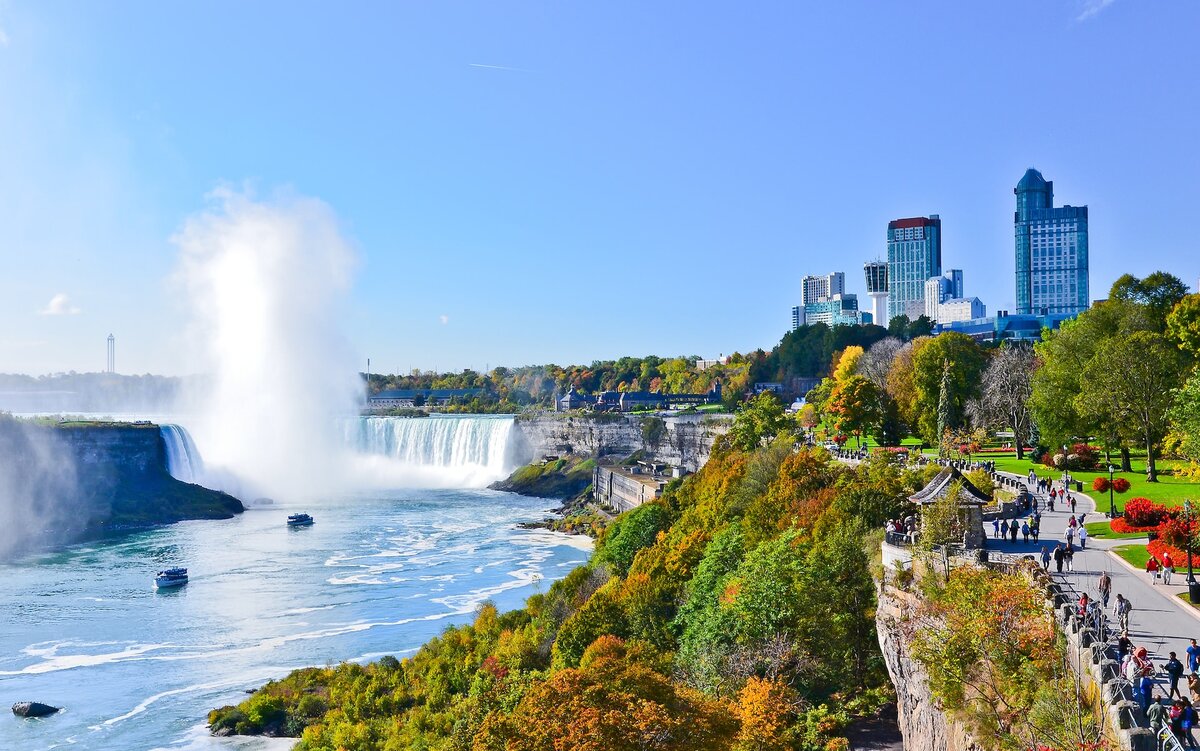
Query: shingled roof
point(938, 487)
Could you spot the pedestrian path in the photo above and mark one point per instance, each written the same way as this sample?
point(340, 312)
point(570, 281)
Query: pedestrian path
point(1157, 623)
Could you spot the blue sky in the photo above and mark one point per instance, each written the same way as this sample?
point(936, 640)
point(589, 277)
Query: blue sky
point(563, 182)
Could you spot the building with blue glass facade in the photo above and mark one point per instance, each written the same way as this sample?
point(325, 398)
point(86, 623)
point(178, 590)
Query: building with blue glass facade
point(1051, 250)
point(1005, 327)
point(914, 255)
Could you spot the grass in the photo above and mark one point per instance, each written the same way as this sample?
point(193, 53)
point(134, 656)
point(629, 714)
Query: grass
point(1136, 555)
point(1101, 530)
point(1184, 596)
point(1169, 490)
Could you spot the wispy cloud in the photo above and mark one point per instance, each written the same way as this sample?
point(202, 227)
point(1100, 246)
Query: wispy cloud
point(59, 305)
point(1091, 8)
point(444, 319)
point(505, 67)
point(3, 38)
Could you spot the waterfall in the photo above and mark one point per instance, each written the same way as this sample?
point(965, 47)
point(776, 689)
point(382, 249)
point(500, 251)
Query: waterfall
point(450, 451)
point(183, 458)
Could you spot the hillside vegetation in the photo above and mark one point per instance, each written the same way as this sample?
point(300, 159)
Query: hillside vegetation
point(737, 612)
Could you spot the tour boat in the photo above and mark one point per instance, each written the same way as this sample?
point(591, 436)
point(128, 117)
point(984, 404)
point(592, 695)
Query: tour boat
point(299, 520)
point(172, 577)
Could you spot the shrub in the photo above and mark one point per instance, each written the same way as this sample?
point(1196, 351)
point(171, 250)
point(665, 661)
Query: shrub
point(1086, 456)
point(1177, 533)
point(1100, 485)
point(1120, 484)
point(1143, 512)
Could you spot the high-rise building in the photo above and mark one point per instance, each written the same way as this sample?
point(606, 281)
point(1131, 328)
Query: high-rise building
point(1052, 250)
point(939, 289)
point(111, 365)
point(839, 310)
point(797, 317)
point(821, 288)
point(914, 255)
point(877, 290)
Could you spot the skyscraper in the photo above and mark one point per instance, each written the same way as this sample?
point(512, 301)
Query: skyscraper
point(821, 288)
point(1052, 250)
point(914, 255)
point(877, 290)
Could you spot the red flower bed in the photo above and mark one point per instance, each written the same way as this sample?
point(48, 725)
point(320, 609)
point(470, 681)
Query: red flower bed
point(1159, 548)
point(1143, 512)
point(1122, 527)
point(1120, 484)
point(1100, 485)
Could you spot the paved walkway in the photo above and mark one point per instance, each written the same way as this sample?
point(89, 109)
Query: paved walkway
point(1156, 622)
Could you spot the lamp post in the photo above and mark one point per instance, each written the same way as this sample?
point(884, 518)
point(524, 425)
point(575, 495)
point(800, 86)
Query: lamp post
point(1191, 578)
point(1112, 506)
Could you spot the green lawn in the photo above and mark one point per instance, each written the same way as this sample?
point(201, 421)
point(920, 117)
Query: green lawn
point(1169, 490)
point(1101, 530)
point(1136, 555)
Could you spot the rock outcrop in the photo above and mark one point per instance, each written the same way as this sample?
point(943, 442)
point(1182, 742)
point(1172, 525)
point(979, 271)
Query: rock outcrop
point(33, 709)
point(680, 440)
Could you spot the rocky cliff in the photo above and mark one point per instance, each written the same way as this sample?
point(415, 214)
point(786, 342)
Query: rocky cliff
point(59, 482)
point(680, 440)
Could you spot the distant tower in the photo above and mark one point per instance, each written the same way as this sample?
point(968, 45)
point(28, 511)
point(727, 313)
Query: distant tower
point(877, 290)
point(112, 354)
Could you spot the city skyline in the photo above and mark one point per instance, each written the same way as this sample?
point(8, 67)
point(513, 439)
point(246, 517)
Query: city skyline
point(468, 159)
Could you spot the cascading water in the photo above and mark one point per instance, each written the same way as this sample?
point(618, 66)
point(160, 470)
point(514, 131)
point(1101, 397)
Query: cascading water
point(183, 458)
point(436, 451)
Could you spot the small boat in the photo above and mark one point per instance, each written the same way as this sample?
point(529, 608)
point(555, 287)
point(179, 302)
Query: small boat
point(172, 577)
point(299, 520)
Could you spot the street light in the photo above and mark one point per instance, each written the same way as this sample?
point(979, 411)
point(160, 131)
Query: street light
point(1193, 590)
point(1112, 506)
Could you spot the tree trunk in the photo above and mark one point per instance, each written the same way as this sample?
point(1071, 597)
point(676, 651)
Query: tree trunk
point(1125, 464)
point(1151, 473)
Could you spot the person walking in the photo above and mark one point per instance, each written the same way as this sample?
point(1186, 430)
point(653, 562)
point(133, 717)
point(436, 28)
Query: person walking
point(1004, 529)
point(1124, 608)
point(1070, 536)
point(1060, 557)
point(1168, 568)
point(1104, 586)
point(1045, 558)
point(1152, 569)
point(1072, 497)
point(1174, 670)
point(996, 527)
point(1156, 715)
point(1082, 537)
point(1069, 556)
point(1193, 657)
point(1144, 670)
point(1025, 532)
point(1012, 530)
point(1124, 646)
point(1189, 722)
point(1036, 528)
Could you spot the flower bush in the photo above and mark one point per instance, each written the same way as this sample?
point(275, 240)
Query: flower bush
point(1086, 456)
point(1159, 548)
point(1176, 532)
point(1120, 484)
point(1143, 512)
point(1100, 485)
point(1121, 527)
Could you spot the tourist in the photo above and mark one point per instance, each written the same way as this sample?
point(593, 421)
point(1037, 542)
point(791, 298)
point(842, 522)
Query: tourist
point(1176, 715)
point(1072, 495)
point(1143, 669)
point(1174, 670)
point(1189, 722)
point(1035, 529)
point(1060, 557)
point(1071, 522)
point(1152, 569)
point(1083, 538)
point(1069, 557)
point(1012, 530)
point(1025, 532)
point(1156, 715)
point(1070, 536)
point(1194, 685)
point(1081, 518)
point(1193, 657)
point(996, 527)
point(1045, 558)
point(1004, 529)
point(1083, 605)
point(1124, 646)
point(1123, 607)
point(1104, 587)
point(1168, 568)
point(1050, 504)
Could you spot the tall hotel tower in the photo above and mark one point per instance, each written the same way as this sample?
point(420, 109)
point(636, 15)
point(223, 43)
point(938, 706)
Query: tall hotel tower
point(1052, 250)
point(914, 255)
point(877, 290)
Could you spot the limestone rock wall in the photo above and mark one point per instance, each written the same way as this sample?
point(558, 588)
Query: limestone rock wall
point(680, 440)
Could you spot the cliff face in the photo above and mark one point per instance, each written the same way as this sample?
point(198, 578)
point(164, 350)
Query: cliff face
point(922, 723)
point(61, 482)
point(681, 440)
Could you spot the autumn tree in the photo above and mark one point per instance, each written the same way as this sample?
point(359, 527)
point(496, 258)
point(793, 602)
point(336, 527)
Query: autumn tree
point(956, 355)
point(855, 406)
point(761, 417)
point(1007, 390)
point(1183, 325)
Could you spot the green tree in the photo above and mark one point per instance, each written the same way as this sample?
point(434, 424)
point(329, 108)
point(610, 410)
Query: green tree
point(1185, 415)
point(1157, 295)
point(1183, 325)
point(947, 410)
point(855, 406)
point(761, 417)
point(1132, 378)
point(959, 356)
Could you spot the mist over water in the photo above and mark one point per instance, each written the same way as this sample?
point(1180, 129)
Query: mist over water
point(38, 486)
point(265, 283)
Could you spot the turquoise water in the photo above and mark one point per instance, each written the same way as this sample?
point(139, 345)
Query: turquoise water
point(83, 628)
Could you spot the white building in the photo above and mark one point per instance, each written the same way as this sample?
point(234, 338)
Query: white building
point(822, 288)
point(939, 289)
point(961, 309)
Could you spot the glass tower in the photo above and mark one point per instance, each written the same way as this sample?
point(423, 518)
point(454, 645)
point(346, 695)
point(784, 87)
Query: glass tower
point(914, 255)
point(1052, 250)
